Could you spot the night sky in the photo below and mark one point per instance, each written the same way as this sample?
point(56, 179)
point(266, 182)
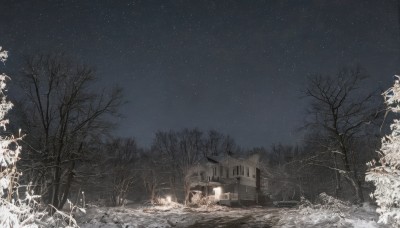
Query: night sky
point(234, 66)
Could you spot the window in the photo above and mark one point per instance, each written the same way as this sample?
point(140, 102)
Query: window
point(242, 170)
point(221, 171)
point(248, 171)
point(214, 171)
point(227, 172)
point(233, 171)
point(237, 170)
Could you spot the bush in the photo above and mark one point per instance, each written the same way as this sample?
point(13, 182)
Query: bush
point(199, 200)
point(328, 211)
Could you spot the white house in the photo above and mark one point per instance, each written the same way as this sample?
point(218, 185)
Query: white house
point(232, 180)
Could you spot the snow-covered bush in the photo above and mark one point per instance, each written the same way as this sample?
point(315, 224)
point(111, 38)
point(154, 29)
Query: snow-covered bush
point(329, 202)
point(385, 173)
point(328, 211)
point(324, 202)
point(21, 212)
point(199, 200)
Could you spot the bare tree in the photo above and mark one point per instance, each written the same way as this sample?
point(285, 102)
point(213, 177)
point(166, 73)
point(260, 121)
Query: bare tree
point(279, 174)
point(219, 144)
point(312, 163)
point(121, 168)
point(65, 114)
point(153, 174)
point(341, 112)
point(181, 150)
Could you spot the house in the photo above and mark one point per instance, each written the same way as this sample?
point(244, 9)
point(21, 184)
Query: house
point(231, 180)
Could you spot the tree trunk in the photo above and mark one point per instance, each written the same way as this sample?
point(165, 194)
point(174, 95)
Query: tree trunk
point(353, 180)
point(172, 185)
point(56, 185)
point(152, 194)
point(357, 189)
point(337, 178)
point(187, 192)
point(67, 186)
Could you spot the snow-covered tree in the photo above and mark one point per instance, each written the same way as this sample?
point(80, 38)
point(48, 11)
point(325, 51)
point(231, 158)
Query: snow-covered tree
point(16, 211)
point(9, 149)
point(13, 211)
point(385, 173)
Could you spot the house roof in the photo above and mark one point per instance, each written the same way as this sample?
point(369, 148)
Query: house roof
point(216, 159)
point(254, 159)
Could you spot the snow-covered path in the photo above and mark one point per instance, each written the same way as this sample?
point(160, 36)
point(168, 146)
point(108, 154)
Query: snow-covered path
point(179, 217)
point(250, 217)
point(217, 216)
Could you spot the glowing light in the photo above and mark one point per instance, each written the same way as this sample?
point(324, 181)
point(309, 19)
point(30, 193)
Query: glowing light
point(217, 192)
point(169, 199)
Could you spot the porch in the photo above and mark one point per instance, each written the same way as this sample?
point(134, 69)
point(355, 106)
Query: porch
point(228, 199)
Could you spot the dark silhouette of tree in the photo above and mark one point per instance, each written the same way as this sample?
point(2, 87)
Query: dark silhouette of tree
point(121, 168)
point(65, 115)
point(341, 113)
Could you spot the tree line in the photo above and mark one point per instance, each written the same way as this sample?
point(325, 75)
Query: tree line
point(70, 149)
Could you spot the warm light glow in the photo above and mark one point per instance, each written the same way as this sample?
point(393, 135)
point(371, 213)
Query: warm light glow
point(168, 199)
point(217, 192)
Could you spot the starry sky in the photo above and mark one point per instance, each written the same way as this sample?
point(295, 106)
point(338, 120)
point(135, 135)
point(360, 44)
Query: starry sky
point(234, 66)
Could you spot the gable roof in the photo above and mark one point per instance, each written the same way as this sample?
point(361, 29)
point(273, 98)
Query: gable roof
point(223, 159)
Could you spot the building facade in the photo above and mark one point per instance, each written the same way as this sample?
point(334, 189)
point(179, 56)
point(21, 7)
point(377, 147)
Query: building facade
point(230, 180)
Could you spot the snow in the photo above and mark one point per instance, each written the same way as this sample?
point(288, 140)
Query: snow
point(330, 212)
point(385, 174)
point(3, 55)
point(356, 217)
point(138, 216)
point(220, 216)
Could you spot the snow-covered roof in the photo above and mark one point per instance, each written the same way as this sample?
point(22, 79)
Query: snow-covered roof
point(224, 159)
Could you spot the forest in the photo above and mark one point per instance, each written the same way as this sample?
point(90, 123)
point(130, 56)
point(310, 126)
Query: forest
point(70, 151)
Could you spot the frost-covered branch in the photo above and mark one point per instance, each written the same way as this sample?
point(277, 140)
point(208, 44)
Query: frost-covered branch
point(385, 174)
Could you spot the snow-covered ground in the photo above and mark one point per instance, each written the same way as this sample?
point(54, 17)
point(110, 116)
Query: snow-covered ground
point(358, 217)
point(164, 216)
point(219, 216)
